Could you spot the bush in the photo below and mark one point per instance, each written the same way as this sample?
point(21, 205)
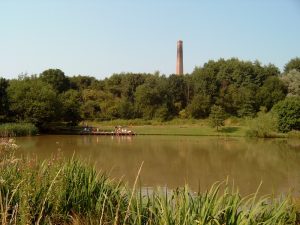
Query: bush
point(264, 125)
point(288, 112)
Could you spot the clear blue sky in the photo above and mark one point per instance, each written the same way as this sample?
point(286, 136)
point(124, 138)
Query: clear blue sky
point(99, 38)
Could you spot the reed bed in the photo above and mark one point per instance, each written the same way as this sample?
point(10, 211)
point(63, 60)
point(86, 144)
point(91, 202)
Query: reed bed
point(59, 191)
point(17, 129)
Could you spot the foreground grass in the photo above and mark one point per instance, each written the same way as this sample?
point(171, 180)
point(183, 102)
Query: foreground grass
point(70, 192)
point(17, 129)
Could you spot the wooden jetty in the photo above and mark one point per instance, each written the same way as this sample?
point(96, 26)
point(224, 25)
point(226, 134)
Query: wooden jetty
point(119, 131)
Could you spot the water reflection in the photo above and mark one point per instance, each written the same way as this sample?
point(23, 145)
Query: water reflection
point(173, 161)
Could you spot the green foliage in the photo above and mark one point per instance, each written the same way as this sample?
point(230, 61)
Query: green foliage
point(126, 110)
point(4, 105)
point(70, 192)
point(272, 91)
point(293, 64)
point(177, 91)
point(33, 100)
point(292, 81)
point(80, 83)
point(199, 106)
point(17, 129)
point(162, 113)
point(148, 97)
point(288, 111)
point(129, 84)
point(90, 109)
point(245, 102)
point(217, 116)
point(233, 84)
point(263, 126)
point(56, 78)
point(90, 105)
point(239, 87)
point(70, 101)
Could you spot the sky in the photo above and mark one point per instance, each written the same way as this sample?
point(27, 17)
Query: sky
point(98, 38)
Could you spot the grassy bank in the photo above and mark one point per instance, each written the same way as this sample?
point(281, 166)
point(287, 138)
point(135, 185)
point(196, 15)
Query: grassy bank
point(233, 127)
point(188, 127)
point(57, 191)
point(17, 129)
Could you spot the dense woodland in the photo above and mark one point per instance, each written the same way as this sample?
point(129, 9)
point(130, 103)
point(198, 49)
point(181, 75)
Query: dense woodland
point(239, 88)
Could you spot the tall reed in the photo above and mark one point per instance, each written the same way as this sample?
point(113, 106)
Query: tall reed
point(17, 129)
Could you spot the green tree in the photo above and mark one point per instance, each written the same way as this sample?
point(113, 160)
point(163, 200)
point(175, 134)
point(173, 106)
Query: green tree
point(70, 101)
point(150, 96)
point(109, 105)
point(90, 107)
point(57, 79)
point(90, 110)
point(83, 82)
point(292, 81)
point(292, 64)
point(177, 91)
point(205, 82)
point(113, 84)
point(246, 101)
point(272, 91)
point(162, 112)
point(229, 82)
point(4, 105)
point(126, 109)
point(199, 106)
point(129, 83)
point(217, 116)
point(33, 100)
point(288, 111)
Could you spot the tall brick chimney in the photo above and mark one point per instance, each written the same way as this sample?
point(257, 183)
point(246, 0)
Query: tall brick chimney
point(179, 63)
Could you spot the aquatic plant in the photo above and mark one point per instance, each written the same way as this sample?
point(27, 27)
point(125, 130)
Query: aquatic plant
point(17, 129)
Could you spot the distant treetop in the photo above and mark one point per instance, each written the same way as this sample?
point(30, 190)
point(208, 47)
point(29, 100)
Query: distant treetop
point(292, 64)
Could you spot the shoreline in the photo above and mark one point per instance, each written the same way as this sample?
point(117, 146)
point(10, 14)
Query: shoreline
point(157, 130)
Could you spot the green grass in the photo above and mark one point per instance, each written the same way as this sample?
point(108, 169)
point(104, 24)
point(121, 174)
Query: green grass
point(140, 122)
point(59, 191)
point(294, 134)
point(17, 129)
point(188, 127)
point(189, 130)
point(234, 127)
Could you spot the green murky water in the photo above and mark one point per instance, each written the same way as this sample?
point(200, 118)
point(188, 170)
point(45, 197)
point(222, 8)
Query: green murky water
point(172, 161)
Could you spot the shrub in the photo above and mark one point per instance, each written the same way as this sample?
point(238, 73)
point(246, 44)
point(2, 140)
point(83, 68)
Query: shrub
point(288, 112)
point(264, 125)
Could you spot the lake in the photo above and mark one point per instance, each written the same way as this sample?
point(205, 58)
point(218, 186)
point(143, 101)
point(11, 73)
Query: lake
point(173, 161)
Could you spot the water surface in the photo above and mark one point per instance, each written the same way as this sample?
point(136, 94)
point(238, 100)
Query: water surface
point(173, 161)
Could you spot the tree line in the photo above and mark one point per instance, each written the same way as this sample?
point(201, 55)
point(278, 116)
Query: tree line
point(239, 88)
